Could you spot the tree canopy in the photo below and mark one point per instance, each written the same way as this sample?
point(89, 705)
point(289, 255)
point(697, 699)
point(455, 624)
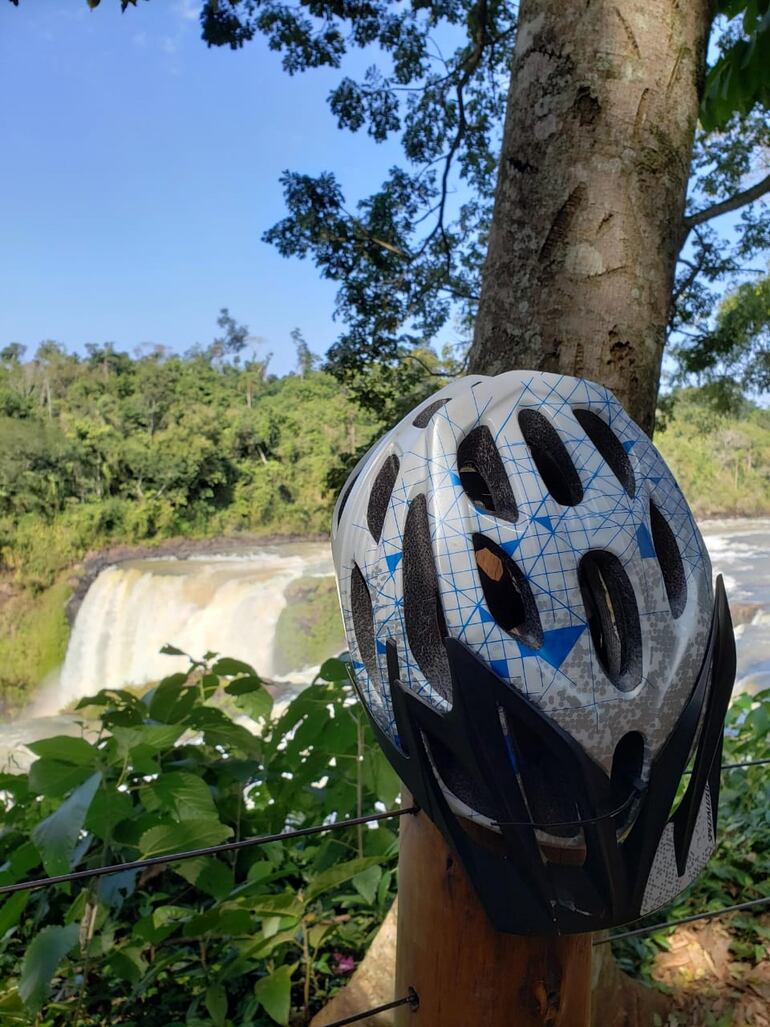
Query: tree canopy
point(408, 257)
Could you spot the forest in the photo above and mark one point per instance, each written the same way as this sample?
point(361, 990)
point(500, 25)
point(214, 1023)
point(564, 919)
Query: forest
point(103, 447)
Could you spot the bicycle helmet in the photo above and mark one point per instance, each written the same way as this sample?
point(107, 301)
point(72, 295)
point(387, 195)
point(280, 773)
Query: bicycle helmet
point(533, 632)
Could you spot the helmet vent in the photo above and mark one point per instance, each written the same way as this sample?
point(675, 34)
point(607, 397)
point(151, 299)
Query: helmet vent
point(507, 592)
point(613, 617)
point(345, 497)
point(483, 476)
point(363, 622)
point(627, 764)
point(457, 780)
point(424, 416)
point(609, 446)
point(382, 489)
point(670, 560)
point(551, 458)
point(423, 612)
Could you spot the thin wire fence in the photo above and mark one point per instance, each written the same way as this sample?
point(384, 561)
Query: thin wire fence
point(210, 850)
point(411, 998)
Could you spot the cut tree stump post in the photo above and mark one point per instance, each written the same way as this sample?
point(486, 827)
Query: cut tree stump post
point(465, 973)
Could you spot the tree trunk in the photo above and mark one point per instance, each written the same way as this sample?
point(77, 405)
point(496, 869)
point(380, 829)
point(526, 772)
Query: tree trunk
point(588, 216)
point(463, 970)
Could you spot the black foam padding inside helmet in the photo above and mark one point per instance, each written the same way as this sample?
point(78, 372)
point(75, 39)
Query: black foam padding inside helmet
point(670, 560)
point(613, 617)
point(423, 612)
point(551, 458)
point(379, 497)
point(363, 622)
point(609, 446)
point(423, 418)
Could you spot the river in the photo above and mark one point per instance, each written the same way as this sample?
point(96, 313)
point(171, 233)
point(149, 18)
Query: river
point(233, 603)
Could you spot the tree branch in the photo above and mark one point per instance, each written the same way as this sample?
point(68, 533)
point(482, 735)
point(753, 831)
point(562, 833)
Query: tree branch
point(733, 203)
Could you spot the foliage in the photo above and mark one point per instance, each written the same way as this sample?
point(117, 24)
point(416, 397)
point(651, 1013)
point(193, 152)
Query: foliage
point(721, 461)
point(739, 79)
point(733, 353)
point(408, 257)
point(309, 626)
point(248, 938)
point(740, 867)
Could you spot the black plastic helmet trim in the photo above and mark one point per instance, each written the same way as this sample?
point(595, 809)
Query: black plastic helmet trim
point(522, 892)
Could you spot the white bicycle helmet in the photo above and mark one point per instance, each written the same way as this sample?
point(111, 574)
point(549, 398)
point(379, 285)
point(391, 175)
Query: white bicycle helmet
point(533, 632)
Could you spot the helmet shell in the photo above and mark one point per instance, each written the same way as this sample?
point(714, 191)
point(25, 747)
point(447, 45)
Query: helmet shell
point(546, 539)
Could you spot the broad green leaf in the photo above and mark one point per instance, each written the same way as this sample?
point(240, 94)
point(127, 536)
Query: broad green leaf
point(108, 809)
point(285, 904)
point(113, 889)
point(128, 963)
point(241, 686)
point(16, 785)
point(171, 650)
point(173, 698)
point(216, 1003)
point(195, 833)
point(66, 749)
point(11, 910)
point(274, 993)
point(366, 883)
point(223, 920)
point(162, 916)
point(255, 704)
point(153, 738)
point(183, 794)
point(54, 779)
point(208, 874)
point(43, 955)
point(337, 875)
point(56, 836)
point(333, 670)
point(229, 668)
point(19, 863)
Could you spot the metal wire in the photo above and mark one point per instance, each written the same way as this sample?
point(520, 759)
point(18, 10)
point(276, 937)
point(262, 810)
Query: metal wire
point(708, 915)
point(175, 857)
point(411, 999)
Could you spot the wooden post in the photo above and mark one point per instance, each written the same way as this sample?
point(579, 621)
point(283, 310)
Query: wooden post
point(465, 973)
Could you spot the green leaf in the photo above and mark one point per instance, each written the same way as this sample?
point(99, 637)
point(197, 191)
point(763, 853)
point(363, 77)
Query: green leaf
point(43, 955)
point(195, 833)
point(285, 904)
point(54, 779)
point(229, 668)
point(216, 1003)
point(66, 749)
point(56, 836)
point(241, 686)
point(337, 875)
point(256, 704)
point(184, 795)
point(208, 874)
point(128, 963)
point(274, 993)
point(172, 700)
point(107, 810)
point(231, 921)
point(149, 738)
point(334, 670)
point(366, 883)
point(11, 910)
point(171, 650)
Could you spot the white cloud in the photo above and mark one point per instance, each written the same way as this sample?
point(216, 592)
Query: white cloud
point(189, 9)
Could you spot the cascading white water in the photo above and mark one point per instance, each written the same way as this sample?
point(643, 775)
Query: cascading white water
point(228, 604)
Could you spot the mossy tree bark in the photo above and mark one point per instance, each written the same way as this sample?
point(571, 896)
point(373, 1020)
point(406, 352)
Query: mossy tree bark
point(589, 209)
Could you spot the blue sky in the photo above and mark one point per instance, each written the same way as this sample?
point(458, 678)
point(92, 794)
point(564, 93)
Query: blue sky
point(139, 171)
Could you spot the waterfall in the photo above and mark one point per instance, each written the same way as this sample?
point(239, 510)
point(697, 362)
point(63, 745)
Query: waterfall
point(228, 604)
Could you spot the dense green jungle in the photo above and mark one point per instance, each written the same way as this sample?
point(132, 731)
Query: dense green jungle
point(101, 447)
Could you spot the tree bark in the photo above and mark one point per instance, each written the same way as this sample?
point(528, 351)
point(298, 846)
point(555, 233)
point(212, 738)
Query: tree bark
point(589, 210)
point(463, 970)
